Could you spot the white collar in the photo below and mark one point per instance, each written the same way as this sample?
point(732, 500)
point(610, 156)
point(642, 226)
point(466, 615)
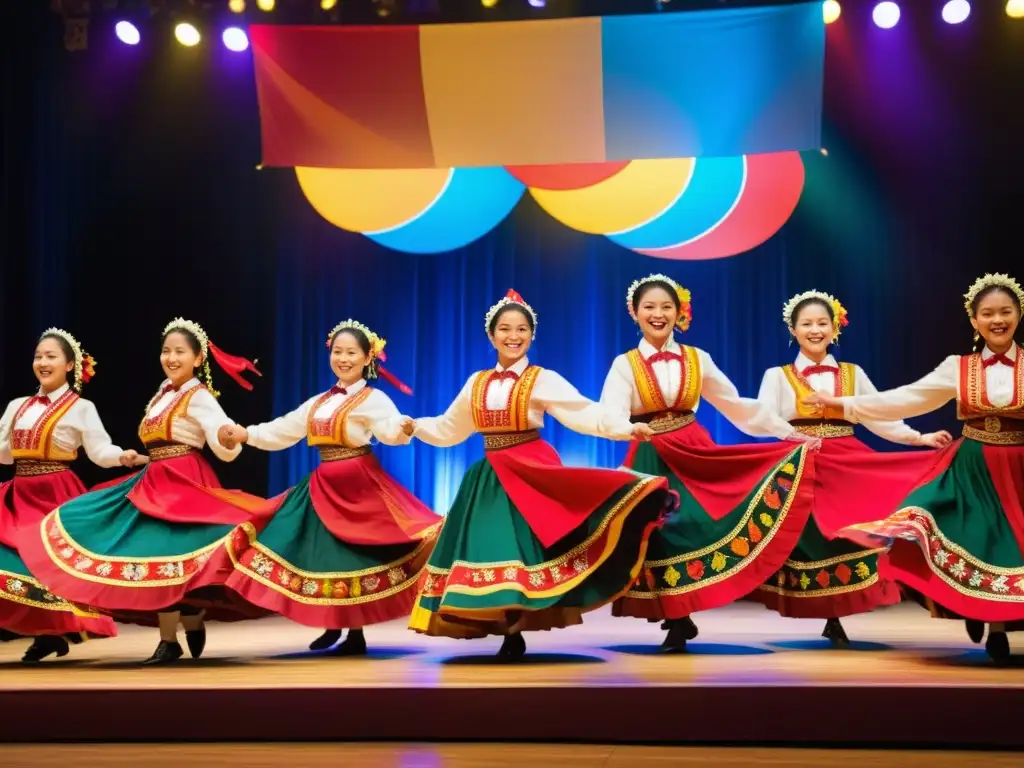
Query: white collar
point(193, 382)
point(354, 388)
point(647, 349)
point(1011, 353)
point(803, 361)
point(517, 368)
point(53, 396)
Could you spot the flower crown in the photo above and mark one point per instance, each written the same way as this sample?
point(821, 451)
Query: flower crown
point(85, 364)
point(509, 298)
point(988, 281)
point(685, 310)
point(840, 318)
point(181, 324)
point(377, 344)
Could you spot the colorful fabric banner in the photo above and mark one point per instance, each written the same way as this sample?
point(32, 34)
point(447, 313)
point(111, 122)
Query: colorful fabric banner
point(591, 90)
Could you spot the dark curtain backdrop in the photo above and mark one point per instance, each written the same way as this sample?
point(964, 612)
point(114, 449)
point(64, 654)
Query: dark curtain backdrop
point(131, 195)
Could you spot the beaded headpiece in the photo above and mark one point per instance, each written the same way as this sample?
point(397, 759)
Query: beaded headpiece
point(840, 319)
point(512, 298)
point(232, 365)
point(685, 309)
point(377, 344)
point(85, 365)
point(989, 281)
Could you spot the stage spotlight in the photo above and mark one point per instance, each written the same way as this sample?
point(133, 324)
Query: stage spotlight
point(127, 33)
point(831, 10)
point(236, 6)
point(385, 8)
point(488, 3)
point(235, 39)
point(265, 5)
point(538, 3)
point(886, 15)
point(328, 5)
point(1015, 9)
point(956, 11)
point(186, 34)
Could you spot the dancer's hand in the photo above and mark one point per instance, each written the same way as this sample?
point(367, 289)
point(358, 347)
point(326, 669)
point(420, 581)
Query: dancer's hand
point(642, 431)
point(130, 458)
point(938, 439)
point(231, 435)
point(813, 443)
point(822, 400)
point(408, 426)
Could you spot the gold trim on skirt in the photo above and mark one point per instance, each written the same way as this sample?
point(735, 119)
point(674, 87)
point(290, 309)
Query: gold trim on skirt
point(825, 430)
point(341, 453)
point(35, 468)
point(172, 451)
point(995, 431)
point(502, 440)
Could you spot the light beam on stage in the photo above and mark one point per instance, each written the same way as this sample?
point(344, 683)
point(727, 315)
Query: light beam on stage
point(886, 15)
point(127, 33)
point(1015, 9)
point(956, 11)
point(235, 39)
point(831, 11)
point(187, 35)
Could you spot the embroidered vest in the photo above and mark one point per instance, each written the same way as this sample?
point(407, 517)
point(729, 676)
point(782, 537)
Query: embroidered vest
point(515, 416)
point(651, 397)
point(802, 388)
point(35, 443)
point(157, 429)
point(972, 396)
point(331, 430)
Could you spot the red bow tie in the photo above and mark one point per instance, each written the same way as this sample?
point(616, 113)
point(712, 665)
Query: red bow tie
point(998, 359)
point(41, 399)
point(168, 388)
point(506, 374)
point(336, 390)
point(813, 369)
point(658, 356)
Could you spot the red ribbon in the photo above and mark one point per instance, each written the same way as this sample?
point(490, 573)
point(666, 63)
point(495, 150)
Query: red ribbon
point(233, 365)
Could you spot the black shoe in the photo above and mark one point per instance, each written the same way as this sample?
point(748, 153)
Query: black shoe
point(835, 634)
point(998, 648)
point(165, 653)
point(43, 646)
point(326, 640)
point(354, 645)
point(513, 648)
point(975, 629)
point(679, 631)
point(195, 639)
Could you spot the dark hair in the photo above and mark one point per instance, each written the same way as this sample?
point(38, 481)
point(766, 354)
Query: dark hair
point(992, 289)
point(508, 308)
point(640, 292)
point(801, 306)
point(361, 340)
point(69, 354)
point(190, 337)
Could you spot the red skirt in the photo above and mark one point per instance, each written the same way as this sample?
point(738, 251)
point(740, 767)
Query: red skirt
point(343, 549)
point(827, 576)
point(152, 542)
point(26, 606)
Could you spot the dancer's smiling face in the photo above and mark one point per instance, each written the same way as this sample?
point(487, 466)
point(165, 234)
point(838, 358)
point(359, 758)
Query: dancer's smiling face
point(350, 354)
point(511, 334)
point(657, 310)
point(996, 317)
point(180, 356)
point(813, 328)
point(52, 364)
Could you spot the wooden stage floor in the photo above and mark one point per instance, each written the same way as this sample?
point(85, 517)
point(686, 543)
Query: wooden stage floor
point(751, 677)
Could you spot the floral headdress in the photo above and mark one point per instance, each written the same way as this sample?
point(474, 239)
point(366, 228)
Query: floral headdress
point(988, 281)
point(685, 309)
point(377, 355)
point(85, 365)
point(840, 319)
point(510, 298)
point(232, 365)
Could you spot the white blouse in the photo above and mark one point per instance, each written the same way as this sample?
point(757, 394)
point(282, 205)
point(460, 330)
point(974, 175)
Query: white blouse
point(200, 421)
point(551, 394)
point(375, 417)
point(933, 391)
point(80, 426)
point(622, 396)
point(777, 394)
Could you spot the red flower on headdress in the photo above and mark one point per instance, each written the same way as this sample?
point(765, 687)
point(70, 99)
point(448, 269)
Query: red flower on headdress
point(88, 368)
point(513, 295)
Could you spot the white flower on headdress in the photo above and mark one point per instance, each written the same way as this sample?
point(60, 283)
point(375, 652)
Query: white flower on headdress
point(685, 308)
point(988, 281)
point(510, 298)
point(85, 365)
point(377, 344)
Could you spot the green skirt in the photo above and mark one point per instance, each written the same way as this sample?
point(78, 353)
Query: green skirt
point(489, 574)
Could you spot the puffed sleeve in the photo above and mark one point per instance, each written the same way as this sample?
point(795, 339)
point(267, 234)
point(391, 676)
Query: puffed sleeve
point(204, 408)
point(97, 443)
point(750, 416)
point(580, 414)
point(452, 427)
point(283, 432)
point(923, 396)
point(897, 431)
point(6, 424)
point(382, 418)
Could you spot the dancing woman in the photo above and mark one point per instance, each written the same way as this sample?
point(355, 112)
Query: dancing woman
point(743, 506)
point(41, 436)
point(957, 539)
point(143, 550)
point(529, 544)
point(345, 546)
point(825, 577)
